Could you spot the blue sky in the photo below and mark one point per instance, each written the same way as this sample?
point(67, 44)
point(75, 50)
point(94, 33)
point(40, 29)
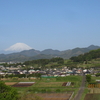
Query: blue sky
point(50, 24)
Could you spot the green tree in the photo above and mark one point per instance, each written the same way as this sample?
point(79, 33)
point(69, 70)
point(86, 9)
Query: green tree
point(7, 92)
point(88, 78)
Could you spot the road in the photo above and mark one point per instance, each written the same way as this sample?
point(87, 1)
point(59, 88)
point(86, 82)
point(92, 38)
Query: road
point(81, 90)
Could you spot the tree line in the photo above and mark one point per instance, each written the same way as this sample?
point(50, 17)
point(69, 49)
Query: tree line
point(43, 62)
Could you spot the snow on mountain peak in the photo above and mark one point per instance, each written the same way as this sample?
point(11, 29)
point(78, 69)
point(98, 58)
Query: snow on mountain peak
point(18, 47)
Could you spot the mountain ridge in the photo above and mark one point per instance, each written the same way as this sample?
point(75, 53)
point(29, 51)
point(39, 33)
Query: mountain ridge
point(45, 54)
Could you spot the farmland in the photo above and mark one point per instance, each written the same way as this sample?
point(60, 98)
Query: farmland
point(48, 96)
point(93, 90)
point(48, 87)
point(93, 96)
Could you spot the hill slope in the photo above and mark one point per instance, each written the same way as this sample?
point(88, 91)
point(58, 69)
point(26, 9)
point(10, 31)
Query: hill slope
point(93, 54)
point(45, 54)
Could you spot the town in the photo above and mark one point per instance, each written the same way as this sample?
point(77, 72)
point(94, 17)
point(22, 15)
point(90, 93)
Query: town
point(54, 72)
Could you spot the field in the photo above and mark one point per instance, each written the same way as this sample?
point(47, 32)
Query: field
point(49, 88)
point(92, 96)
point(93, 90)
point(10, 83)
point(47, 96)
point(55, 96)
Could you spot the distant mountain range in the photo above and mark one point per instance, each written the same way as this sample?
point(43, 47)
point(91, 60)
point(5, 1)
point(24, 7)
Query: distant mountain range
point(33, 54)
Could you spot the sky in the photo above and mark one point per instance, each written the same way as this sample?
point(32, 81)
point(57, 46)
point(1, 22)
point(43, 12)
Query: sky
point(50, 24)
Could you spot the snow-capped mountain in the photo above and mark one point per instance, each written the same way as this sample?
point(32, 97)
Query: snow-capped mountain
point(18, 47)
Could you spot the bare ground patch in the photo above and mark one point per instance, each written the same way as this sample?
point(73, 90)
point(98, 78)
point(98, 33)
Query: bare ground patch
point(10, 83)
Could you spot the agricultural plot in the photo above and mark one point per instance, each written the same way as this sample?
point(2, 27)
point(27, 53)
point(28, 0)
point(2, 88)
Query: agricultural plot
point(10, 83)
point(47, 84)
point(93, 92)
point(94, 86)
point(23, 84)
point(92, 96)
point(55, 96)
point(49, 96)
point(66, 84)
point(48, 88)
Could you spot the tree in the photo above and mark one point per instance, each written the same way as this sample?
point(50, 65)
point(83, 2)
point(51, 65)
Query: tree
point(88, 78)
point(98, 74)
point(7, 92)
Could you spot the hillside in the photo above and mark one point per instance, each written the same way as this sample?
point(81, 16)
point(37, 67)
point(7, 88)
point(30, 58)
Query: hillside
point(33, 54)
point(93, 54)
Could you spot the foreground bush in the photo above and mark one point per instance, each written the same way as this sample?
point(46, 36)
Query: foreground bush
point(7, 92)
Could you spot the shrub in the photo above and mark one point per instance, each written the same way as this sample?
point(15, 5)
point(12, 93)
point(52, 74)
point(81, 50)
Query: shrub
point(43, 90)
point(35, 90)
point(58, 90)
point(7, 92)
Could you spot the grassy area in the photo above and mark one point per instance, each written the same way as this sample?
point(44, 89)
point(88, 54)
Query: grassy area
point(86, 90)
point(94, 90)
point(95, 96)
point(92, 93)
point(48, 84)
point(95, 78)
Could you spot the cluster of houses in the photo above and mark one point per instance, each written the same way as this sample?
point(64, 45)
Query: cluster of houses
point(65, 71)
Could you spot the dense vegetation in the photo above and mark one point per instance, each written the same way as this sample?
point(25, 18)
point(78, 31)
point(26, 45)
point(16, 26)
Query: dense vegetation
point(7, 92)
point(87, 56)
point(88, 78)
point(44, 63)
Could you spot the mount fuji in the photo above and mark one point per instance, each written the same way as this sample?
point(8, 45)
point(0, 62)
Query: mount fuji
point(18, 47)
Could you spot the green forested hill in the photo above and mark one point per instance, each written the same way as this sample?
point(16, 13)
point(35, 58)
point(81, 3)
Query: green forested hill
point(33, 54)
point(93, 54)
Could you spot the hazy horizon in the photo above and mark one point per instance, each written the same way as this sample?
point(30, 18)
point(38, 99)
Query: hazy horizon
point(18, 47)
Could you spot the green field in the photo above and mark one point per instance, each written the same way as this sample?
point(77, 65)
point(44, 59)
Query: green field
point(93, 96)
point(92, 93)
point(49, 85)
